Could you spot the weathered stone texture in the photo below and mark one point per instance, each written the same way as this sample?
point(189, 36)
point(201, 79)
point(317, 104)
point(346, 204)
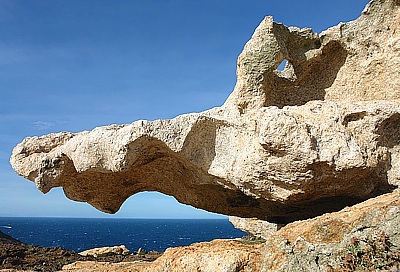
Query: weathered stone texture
point(371, 70)
point(350, 62)
point(321, 243)
point(320, 135)
point(218, 256)
point(274, 164)
point(274, 151)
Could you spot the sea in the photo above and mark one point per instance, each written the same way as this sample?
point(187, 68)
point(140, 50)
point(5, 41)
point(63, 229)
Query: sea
point(79, 234)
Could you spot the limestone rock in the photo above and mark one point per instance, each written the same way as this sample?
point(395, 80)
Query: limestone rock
point(218, 256)
point(274, 150)
point(355, 61)
point(275, 164)
point(105, 251)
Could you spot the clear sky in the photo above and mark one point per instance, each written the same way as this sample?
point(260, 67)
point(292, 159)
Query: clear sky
point(74, 65)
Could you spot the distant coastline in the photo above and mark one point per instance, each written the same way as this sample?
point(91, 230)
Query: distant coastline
point(21, 256)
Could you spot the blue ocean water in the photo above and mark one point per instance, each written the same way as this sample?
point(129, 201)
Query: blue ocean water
point(84, 233)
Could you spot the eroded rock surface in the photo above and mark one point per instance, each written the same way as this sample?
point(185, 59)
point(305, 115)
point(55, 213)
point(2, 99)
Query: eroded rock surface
point(368, 231)
point(287, 145)
point(274, 164)
point(349, 62)
point(218, 256)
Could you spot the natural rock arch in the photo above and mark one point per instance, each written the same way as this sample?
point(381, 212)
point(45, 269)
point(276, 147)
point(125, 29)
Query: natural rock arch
point(285, 146)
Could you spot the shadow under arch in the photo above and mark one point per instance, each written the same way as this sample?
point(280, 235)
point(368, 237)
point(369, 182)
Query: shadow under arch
point(157, 168)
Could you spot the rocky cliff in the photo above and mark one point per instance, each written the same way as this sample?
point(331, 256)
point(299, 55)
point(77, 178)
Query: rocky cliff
point(287, 145)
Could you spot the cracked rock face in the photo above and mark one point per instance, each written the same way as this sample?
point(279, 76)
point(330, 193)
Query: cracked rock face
point(318, 136)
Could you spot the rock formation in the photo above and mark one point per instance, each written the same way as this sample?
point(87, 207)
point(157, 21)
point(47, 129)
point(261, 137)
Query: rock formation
point(288, 145)
point(355, 61)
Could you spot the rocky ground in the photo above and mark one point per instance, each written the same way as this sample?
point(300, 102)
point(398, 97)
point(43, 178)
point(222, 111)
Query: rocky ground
point(15, 255)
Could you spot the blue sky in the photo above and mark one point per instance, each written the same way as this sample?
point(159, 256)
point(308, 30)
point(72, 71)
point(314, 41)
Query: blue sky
point(74, 65)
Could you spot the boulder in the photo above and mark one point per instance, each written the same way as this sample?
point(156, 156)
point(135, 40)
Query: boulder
point(218, 256)
point(106, 251)
point(287, 145)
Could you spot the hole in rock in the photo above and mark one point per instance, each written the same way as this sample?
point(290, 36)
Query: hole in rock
point(282, 66)
point(305, 80)
point(151, 205)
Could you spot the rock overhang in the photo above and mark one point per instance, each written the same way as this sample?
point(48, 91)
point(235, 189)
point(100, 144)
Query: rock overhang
point(286, 145)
